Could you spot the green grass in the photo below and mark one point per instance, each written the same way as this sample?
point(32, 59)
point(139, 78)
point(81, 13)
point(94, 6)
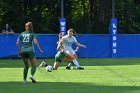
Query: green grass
point(99, 76)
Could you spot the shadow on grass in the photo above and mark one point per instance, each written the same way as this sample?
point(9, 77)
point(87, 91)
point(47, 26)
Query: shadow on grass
point(64, 87)
point(18, 63)
point(109, 61)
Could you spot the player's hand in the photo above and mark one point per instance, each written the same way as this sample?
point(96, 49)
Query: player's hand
point(77, 48)
point(83, 46)
point(41, 51)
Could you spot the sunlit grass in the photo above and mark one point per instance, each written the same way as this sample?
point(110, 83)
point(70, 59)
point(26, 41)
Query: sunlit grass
point(99, 76)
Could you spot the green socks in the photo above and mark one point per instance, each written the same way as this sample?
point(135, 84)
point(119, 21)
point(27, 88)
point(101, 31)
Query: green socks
point(33, 70)
point(25, 72)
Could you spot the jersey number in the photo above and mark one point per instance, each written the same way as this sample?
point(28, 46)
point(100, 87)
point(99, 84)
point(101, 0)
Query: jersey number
point(26, 37)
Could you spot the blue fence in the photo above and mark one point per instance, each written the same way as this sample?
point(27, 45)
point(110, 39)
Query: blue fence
point(98, 46)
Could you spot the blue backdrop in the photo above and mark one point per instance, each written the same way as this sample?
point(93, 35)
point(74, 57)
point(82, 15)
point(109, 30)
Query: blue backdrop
point(98, 46)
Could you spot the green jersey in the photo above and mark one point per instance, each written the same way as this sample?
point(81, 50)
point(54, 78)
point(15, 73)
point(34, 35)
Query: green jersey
point(27, 39)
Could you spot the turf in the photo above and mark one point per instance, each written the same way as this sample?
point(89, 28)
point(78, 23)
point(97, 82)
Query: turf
point(99, 76)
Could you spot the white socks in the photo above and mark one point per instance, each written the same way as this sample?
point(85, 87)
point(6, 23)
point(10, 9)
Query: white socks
point(69, 64)
point(75, 62)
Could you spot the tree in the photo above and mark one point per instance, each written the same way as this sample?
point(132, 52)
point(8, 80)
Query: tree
point(85, 16)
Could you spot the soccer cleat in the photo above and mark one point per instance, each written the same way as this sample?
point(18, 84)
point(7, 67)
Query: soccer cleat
point(42, 64)
point(74, 67)
point(25, 81)
point(78, 68)
point(67, 67)
point(32, 78)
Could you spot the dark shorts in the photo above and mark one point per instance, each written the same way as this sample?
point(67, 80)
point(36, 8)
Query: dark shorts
point(30, 55)
point(59, 56)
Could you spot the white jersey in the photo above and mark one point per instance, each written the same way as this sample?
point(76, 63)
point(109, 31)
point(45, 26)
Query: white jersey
point(67, 43)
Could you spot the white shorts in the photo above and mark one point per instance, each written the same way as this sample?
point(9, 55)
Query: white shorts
point(69, 49)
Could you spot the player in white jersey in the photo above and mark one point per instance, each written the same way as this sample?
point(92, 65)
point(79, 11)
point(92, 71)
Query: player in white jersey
point(67, 42)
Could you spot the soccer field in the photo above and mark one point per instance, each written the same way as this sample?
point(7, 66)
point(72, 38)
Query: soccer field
point(99, 76)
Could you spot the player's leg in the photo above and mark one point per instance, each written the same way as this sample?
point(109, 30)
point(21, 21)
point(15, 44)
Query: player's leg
point(43, 64)
point(56, 65)
point(57, 61)
point(33, 64)
point(77, 67)
point(74, 60)
point(26, 66)
point(69, 57)
point(76, 57)
point(70, 50)
point(32, 58)
point(71, 63)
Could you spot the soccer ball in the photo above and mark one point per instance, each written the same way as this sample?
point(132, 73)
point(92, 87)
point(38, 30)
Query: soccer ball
point(49, 68)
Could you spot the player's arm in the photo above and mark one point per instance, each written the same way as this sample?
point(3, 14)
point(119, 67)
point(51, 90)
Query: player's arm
point(37, 44)
point(18, 46)
point(80, 45)
point(59, 47)
point(77, 48)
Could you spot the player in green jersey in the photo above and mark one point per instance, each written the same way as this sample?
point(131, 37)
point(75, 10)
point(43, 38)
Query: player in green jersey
point(61, 55)
point(27, 51)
